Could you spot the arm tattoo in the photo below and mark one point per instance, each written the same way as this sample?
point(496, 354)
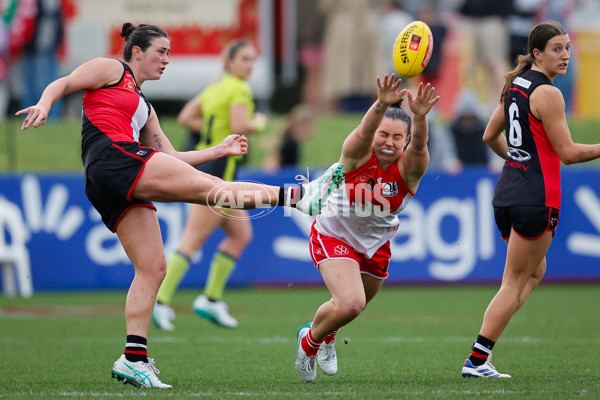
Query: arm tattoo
point(378, 108)
point(158, 141)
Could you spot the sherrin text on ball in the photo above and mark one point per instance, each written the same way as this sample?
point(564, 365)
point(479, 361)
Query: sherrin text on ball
point(413, 49)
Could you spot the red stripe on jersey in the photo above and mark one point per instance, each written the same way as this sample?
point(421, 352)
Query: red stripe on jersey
point(549, 163)
point(520, 91)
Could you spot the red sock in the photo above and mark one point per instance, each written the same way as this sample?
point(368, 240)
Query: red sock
point(310, 345)
point(331, 337)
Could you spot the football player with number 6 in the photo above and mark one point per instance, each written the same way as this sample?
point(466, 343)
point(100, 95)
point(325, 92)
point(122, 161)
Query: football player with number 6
point(528, 192)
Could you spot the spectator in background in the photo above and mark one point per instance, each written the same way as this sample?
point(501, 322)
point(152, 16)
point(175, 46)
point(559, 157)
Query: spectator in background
point(441, 146)
point(520, 21)
point(352, 53)
point(18, 17)
point(442, 153)
point(394, 18)
point(299, 127)
point(4, 68)
point(487, 30)
point(310, 46)
point(429, 15)
point(40, 54)
point(467, 129)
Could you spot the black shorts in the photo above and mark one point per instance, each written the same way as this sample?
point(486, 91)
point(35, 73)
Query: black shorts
point(224, 168)
point(111, 177)
point(528, 221)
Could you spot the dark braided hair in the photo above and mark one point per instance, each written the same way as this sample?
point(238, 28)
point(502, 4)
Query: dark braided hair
point(140, 36)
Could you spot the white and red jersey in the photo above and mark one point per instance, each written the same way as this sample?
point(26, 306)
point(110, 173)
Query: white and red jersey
point(362, 213)
point(114, 113)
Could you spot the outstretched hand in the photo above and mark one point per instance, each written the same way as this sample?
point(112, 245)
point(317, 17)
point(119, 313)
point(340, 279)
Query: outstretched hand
point(387, 89)
point(36, 116)
point(424, 101)
point(234, 145)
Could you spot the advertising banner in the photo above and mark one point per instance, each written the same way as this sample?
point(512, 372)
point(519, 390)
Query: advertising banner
point(447, 235)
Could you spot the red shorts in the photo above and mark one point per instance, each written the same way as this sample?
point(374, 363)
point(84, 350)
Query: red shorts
point(323, 248)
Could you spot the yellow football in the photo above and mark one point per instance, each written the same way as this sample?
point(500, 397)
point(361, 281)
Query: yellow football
point(412, 49)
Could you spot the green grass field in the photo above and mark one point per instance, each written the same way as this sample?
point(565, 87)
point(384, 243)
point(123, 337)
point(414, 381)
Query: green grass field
point(56, 146)
point(409, 343)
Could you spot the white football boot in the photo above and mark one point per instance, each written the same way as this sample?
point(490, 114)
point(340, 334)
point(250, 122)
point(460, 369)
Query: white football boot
point(162, 315)
point(327, 358)
point(316, 192)
point(486, 370)
point(305, 366)
point(139, 374)
point(215, 311)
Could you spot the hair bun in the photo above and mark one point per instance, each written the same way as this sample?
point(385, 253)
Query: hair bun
point(126, 30)
point(397, 104)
